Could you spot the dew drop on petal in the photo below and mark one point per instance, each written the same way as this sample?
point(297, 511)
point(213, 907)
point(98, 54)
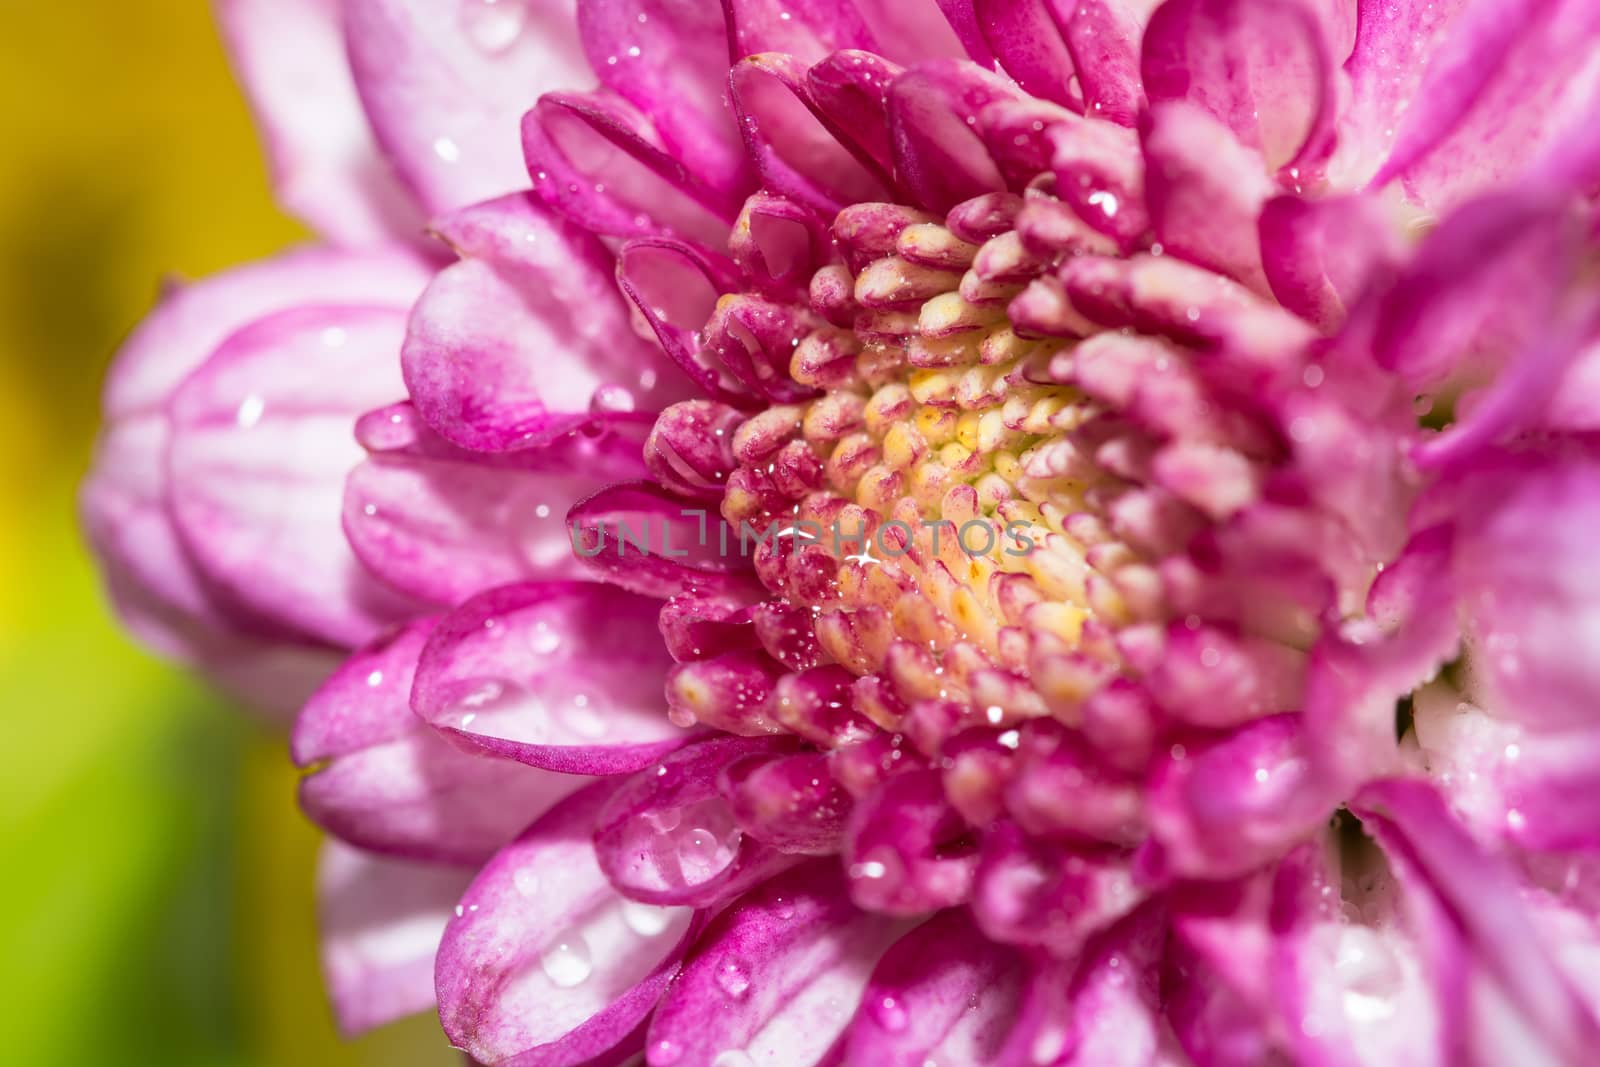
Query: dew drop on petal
point(566, 962)
point(526, 882)
point(544, 640)
point(734, 978)
point(493, 25)
point(888, 1013)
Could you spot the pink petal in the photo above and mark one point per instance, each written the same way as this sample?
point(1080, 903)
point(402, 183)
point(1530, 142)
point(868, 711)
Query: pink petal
point(598, 161)
point(675, 288)
point(667, 836)
point(445, 86)
point(797, 156)
point(895, 848)
point(1036, 894)
point(1104, 37)
point(260, 448)
point(1263, 68)
point(807, 30)
point(388, 783)
point(326, 169)
point(943, 992)
point(937, 155)
point(544, 962)
point(1432, 853)
point(380, 922)
point(646, 539)
point(909, 31)
point(776, 975)
point(1025, 38)
point(1204, 191)
point(1508, 80)
point(1218, 809)
point(669, 58)
point(1396, 43)
point(564, 676)
point(1523, 568)
point(525, 339)
point(1319, 255)
point(443, 524)
point(1102, 1010)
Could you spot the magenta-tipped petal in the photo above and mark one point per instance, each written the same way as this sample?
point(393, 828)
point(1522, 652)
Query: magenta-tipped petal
point(937, 154)
point(776, 976)
point(564, 676)
point(1205, 191)
point(444, 86)
point(525, 339)
point(380, 921)
point(1321, 255)
point(1264, 68)
point(1507, 81)
point(1028, 43)
point(444, 524)
point(668, 836)
point(670, 60)
point(543, 963)
point(1104, 37)
point(943, 993)
point(383, 780)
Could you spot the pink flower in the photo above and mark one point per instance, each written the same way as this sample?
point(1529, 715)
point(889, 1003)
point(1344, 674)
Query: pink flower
point(1035, 446)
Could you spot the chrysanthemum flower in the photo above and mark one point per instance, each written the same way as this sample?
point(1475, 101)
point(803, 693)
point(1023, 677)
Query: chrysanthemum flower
point(968, 533)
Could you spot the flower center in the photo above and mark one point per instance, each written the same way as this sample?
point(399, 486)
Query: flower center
point(932, 483)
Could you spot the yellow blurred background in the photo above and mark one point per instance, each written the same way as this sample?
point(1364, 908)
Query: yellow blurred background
point(155, 906)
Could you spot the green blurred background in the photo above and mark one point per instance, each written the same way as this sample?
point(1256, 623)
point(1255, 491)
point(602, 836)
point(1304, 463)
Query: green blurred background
point(155, 906)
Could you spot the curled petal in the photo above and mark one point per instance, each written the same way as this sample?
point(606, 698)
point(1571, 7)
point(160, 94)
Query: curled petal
point(1319, 255)
point(1029, 45)
point(525, 337)
point(444, 86)
point(1204, 192)
point(776, 975)
point(791, 803)
point(1039, 895)
point(1104, 37)
point(797, 155)
point(564, 676)
point(544, 962)
point(444, 524)
point(385, 781)
point(159, 589)
point(379, 922)
point(669, 58)
point(667, 836)
point(599, 162)
point(645, 539)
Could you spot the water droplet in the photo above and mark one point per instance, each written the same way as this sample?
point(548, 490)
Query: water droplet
point(665, 1053)
point(566, 962)
point(387, 429)
point(611, 399)
point(681, 717)
point(375, 678)
point(706, 851)
point(447, 150)
point(493, 25)
point(577, 715)
point(525, 881)
point(250, 411)
point(544, 640)
point(734, 978)
point(646, 920)
point(889, 1014)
